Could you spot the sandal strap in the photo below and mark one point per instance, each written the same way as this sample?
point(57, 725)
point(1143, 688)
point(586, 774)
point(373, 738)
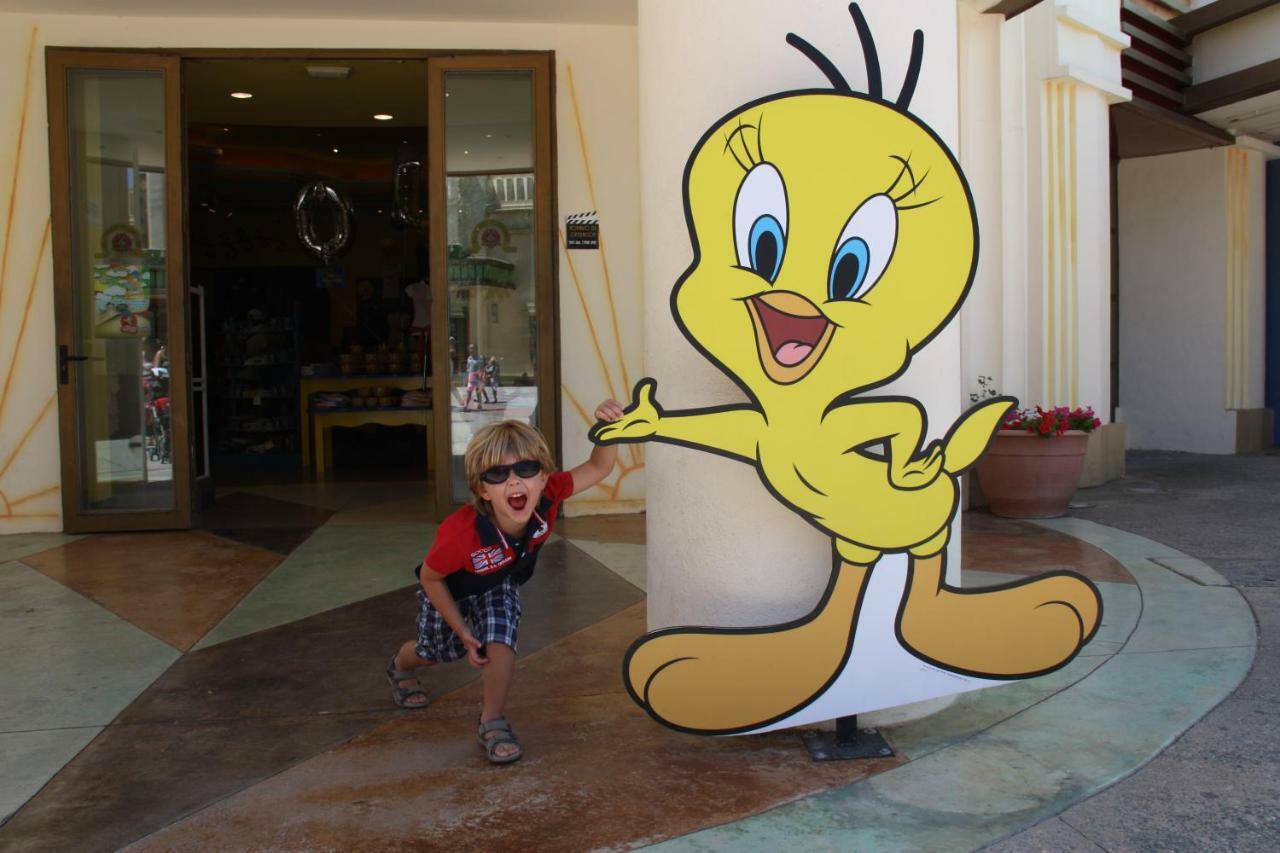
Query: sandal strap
point(397, 674)
point(498, 724)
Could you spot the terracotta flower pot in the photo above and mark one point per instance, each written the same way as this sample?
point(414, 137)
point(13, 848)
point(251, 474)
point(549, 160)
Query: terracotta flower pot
point(1027, 476)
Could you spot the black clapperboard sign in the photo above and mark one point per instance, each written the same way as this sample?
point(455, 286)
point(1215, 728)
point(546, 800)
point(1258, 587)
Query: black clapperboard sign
point(582, 230)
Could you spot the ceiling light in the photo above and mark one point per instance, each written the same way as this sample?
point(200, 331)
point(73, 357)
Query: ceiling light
point(243, 96)
point(335, 151)
point(464, 151)
point(383, 116)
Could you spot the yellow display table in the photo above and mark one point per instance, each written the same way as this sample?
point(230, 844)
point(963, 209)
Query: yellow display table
point(308, 385)
point(324, 420)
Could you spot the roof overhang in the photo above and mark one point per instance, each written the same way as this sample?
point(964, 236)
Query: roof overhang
point(1143, 130)
point(1217, 13)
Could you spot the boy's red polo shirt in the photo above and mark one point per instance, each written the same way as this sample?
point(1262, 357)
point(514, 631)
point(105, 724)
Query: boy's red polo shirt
point(476, 556)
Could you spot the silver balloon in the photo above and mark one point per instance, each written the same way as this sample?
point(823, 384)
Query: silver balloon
point(406, 202)
point(309, 198)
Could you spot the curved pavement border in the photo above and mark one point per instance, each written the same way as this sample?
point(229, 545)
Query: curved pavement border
point(997, 761)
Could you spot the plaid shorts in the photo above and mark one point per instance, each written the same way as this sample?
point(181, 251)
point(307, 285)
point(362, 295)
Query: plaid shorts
point(492, 616)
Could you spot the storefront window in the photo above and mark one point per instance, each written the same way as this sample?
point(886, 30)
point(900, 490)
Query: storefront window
point(491, 266)
point(116, 151)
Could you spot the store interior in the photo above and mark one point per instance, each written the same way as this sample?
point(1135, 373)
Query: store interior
point(311, 300)
point(308, 246)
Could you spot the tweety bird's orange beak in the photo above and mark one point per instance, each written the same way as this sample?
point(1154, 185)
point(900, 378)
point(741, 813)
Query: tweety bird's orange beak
point(791, 334)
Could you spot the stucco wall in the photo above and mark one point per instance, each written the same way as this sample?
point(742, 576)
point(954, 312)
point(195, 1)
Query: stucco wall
point(1174, 336)
point(981, 156)
point(596, 93)
point(1241, 44)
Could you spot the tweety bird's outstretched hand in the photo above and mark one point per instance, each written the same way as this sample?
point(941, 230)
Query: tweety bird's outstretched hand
point(919, 472)
point(639, 421)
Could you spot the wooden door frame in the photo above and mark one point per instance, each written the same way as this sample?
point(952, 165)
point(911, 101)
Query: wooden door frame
point(542, 65)
point(546, 289)
point(58, 61)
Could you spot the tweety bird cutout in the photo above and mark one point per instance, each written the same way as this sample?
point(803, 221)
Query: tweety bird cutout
point(834, 236)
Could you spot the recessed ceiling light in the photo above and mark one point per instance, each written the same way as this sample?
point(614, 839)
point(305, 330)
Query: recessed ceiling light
point(383, 116)
point(244, 96)
point(464, 151)
point(335, 151)
point(488, 136)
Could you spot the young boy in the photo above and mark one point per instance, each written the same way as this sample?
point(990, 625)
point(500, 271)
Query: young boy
point(470, 599)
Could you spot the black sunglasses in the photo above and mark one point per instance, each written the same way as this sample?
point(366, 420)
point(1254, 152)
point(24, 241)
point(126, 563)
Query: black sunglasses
point(497, 475)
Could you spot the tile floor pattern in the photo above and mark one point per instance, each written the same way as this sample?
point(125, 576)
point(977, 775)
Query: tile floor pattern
point(274, 729)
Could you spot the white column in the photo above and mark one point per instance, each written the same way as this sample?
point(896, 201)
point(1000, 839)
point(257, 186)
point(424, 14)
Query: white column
point(1060, 74)
point(721, 550)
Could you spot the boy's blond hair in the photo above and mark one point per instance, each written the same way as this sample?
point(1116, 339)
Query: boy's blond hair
point(494, 441)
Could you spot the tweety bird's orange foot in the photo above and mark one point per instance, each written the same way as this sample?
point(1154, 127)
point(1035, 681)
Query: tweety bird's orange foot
point(721, 681)
point(1015, 630)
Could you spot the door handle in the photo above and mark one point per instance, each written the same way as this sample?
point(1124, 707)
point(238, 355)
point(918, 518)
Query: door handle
point(64, 360)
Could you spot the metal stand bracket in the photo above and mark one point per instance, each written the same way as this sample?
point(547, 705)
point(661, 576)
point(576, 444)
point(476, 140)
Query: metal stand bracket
point(846, 742)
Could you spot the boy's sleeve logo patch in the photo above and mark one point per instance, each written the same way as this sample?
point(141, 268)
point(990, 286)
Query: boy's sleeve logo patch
point(488, 559)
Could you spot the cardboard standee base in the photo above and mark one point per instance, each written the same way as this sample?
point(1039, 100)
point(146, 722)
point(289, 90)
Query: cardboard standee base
point(846, 742)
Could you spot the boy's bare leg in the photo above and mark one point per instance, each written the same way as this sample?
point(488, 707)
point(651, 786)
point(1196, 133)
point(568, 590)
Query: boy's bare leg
point(407, 660)
point(497, 681)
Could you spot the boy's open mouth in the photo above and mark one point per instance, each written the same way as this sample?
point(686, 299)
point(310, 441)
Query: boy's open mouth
point(517, 502)
point(791, 334)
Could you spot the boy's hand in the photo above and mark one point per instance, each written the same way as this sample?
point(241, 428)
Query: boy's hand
point(610, 410)
point(636, 423)
point(475, 650)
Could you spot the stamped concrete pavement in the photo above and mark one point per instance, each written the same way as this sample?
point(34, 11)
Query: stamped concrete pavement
point(1217, 787)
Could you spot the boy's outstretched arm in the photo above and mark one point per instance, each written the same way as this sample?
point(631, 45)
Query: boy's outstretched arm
point(603, 456)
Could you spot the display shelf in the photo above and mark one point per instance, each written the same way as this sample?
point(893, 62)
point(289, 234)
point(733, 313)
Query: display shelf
point(315, 409)
point(260, 385)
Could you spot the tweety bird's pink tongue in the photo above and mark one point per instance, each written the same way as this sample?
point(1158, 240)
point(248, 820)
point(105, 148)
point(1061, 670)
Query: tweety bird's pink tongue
point(792, 352)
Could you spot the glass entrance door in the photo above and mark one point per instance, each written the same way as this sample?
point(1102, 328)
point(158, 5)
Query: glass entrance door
point(119, 291)
point(494, 328)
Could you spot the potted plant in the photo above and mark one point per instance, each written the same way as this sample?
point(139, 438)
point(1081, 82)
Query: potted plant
point(1034, 464)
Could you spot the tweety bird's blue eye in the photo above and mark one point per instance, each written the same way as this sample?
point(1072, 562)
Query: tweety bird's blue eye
point(848, 269)
point(767, 243)
point(863, 249)
point(760, 222)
